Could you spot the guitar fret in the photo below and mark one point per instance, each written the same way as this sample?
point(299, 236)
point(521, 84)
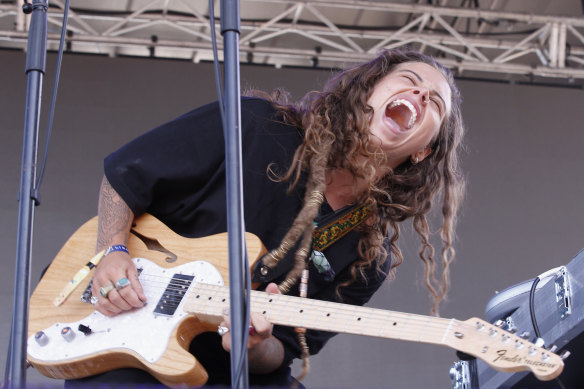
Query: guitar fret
point(423, 330)
point(402, 327)
point(447, 330)
point(382, 328)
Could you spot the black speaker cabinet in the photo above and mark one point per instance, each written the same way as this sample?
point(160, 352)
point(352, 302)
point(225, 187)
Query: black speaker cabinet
point(558, 309)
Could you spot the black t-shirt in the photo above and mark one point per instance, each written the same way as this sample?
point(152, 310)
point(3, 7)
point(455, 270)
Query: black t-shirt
point(176, 172)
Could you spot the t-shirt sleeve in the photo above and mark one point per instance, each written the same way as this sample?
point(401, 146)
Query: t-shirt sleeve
point(169, 161)
point(176, 172)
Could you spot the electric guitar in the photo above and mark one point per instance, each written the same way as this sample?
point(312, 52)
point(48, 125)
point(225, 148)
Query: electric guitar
point(183, 280)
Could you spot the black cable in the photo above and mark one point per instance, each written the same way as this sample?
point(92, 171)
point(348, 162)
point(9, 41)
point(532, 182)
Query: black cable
point(532, 307)
point(239, 370)
point(216, 63)
point(35, 191)
point(534, 320)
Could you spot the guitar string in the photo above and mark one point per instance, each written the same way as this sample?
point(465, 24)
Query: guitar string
point(376, 313)
point(161, 282)
point(371, 316)
point(478, 349)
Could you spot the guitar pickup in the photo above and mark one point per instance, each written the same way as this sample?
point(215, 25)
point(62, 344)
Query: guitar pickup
point(173, 294)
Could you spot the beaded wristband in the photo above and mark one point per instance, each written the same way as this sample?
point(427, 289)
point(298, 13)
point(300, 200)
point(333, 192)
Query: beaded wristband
point(116, 247)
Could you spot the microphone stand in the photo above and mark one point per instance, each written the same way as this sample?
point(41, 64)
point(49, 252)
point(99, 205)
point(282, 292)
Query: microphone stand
point(230, 30)
point(35, 68)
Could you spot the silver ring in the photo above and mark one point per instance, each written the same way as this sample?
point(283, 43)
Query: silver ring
point(122, 283)
point(104, 290)
point(222, 330)
point(93, 300)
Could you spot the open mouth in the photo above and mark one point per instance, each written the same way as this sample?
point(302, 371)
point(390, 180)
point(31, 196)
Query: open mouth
point(402, 112)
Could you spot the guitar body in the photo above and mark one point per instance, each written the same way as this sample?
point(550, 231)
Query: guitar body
point(154, 338)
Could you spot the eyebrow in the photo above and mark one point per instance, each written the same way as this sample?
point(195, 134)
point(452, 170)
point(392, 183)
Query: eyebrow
point(422, 80)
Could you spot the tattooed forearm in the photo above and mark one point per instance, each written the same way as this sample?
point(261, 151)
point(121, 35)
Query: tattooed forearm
point(115, 217)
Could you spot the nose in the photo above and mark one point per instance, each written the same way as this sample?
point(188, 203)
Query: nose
point(424, 94)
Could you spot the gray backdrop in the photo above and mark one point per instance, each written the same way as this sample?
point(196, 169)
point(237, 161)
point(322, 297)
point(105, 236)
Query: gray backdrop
point(522, 216)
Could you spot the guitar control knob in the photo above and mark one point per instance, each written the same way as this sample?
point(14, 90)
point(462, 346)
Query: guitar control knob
point(41, 338)
point(68, 334)
point(539, 342)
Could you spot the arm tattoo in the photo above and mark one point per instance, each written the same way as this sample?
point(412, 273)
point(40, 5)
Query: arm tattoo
point(115, 217)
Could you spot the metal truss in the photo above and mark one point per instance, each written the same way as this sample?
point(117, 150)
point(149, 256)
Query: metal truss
point(487, 43)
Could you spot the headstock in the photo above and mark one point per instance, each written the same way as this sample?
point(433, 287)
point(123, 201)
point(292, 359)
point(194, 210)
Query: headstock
point(503, 350)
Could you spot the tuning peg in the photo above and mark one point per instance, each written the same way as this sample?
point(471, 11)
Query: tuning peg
point(565, 354)
point(525, 335)
point(499, 323)
point(539, 342)
point(553, 348)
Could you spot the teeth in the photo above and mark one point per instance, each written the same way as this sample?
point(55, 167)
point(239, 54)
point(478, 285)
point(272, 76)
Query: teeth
point(410, 107)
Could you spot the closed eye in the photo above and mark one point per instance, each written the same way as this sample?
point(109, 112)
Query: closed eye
point(410, 79)
point(435, 101)
point(432, 99)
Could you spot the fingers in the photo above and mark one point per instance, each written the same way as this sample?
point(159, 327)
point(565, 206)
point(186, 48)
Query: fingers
point(116, 285)
point(259, 330)
point(272, 288)
point(136, 287)
point(262, 327)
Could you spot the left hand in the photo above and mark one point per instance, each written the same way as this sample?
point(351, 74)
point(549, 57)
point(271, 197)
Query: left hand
point(260, 327)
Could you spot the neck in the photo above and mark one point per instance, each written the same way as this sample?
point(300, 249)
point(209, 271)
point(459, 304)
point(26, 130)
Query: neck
point(342, 188)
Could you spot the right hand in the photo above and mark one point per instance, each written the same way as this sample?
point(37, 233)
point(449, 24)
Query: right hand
point(111, 268)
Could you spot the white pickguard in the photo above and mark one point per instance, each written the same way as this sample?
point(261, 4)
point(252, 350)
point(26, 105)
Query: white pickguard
point(140, 330)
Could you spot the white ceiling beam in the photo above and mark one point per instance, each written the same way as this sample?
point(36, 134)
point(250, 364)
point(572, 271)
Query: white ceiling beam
point(515, 53)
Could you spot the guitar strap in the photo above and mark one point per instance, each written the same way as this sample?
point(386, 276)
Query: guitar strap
point(334, 230)
point(329, 230)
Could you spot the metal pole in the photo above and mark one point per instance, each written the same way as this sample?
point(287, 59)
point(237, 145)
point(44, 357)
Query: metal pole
point(35, 67)
point(230, 29)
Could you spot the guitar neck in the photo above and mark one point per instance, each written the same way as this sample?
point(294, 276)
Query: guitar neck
point(327, 316)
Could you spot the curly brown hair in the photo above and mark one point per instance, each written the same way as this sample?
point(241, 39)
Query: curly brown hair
point(336, 125)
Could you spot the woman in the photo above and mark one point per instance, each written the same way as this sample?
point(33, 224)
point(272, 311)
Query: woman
point(376, 146)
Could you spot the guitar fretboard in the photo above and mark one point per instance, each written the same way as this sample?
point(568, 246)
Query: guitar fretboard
point(327, 316)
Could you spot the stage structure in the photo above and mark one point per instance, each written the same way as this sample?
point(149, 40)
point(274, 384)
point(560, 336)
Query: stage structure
point(518, 41)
